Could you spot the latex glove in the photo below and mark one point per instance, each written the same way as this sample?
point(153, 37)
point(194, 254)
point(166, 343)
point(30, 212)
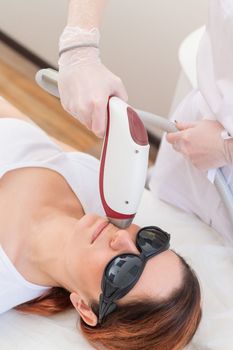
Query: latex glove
point(202, 144)
point(85, 84)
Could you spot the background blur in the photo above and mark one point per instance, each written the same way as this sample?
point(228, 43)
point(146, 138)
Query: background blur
point(140, 40)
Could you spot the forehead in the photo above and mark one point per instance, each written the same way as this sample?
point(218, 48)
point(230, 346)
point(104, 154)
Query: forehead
point(161, 275)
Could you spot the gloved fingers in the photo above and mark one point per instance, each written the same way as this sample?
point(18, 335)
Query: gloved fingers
point(173, 137)
point(82, 110)
point(82, 114)
point(183, 126)
point(90, 111)
point(99, 117)
point(119, 90)
point(98, 110)
point(177, 146)
point(180, 147)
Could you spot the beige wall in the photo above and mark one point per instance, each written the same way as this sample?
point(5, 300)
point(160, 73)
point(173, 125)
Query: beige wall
point(140, 40)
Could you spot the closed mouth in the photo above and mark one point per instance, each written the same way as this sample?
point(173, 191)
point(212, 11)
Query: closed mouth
point(98, 231)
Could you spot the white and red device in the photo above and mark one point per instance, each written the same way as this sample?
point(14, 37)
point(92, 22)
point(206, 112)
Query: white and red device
point(123, 163)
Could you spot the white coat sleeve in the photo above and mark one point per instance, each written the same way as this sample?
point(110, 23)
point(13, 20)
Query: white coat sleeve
point(215, 64)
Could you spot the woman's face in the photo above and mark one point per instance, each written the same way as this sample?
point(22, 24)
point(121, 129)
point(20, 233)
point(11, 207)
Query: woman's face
point(94, 244)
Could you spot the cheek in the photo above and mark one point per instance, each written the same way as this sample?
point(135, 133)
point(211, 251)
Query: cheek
point(93, 264)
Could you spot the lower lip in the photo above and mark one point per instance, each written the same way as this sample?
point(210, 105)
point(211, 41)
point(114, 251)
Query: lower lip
point(99, 230)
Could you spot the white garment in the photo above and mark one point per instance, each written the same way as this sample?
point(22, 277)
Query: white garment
point(176, 180)
point(25, 145)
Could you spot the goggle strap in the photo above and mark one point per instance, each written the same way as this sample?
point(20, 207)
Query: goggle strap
point(105, 308)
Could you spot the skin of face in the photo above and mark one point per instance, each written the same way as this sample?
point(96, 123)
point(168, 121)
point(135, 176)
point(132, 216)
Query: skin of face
point(87, 260)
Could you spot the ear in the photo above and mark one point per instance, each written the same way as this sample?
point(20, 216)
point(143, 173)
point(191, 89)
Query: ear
point(84, 310)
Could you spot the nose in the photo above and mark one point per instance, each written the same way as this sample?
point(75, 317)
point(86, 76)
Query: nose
point(122, 242)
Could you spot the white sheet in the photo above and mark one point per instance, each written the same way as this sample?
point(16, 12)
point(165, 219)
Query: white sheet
point(197, 242)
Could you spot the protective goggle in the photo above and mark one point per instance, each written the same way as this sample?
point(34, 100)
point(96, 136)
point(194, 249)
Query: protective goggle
point(124, 270)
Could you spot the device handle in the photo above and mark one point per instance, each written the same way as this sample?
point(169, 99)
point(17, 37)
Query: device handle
point(47, 80)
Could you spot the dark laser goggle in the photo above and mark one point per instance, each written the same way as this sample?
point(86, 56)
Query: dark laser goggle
point(124, 270)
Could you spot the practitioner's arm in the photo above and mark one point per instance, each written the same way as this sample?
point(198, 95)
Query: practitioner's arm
point(85, 13)
point(84, 83)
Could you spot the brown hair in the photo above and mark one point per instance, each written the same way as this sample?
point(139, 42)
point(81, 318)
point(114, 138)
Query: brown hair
point(146, 324)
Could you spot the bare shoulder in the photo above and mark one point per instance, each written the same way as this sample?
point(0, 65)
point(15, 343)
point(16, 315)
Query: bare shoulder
point(7, 110)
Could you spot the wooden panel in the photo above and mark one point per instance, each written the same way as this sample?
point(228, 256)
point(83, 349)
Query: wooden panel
point(44, 110)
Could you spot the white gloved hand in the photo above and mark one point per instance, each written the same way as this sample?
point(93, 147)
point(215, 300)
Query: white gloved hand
point(201, 142)
point(84, 83)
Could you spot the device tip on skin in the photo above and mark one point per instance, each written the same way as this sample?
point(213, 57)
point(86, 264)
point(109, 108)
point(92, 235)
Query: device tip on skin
point(121, 223)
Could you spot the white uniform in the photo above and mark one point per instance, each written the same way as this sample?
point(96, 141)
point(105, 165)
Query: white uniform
point(25, 145)
point(174, 179)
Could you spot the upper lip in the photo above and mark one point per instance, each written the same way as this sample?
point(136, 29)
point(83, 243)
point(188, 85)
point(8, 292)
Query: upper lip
point(98, 230)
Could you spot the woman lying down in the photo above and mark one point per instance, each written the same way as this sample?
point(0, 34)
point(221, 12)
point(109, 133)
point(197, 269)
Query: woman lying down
point(58, 251)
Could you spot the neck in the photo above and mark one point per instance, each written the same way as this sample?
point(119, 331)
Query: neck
point(50, 248)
